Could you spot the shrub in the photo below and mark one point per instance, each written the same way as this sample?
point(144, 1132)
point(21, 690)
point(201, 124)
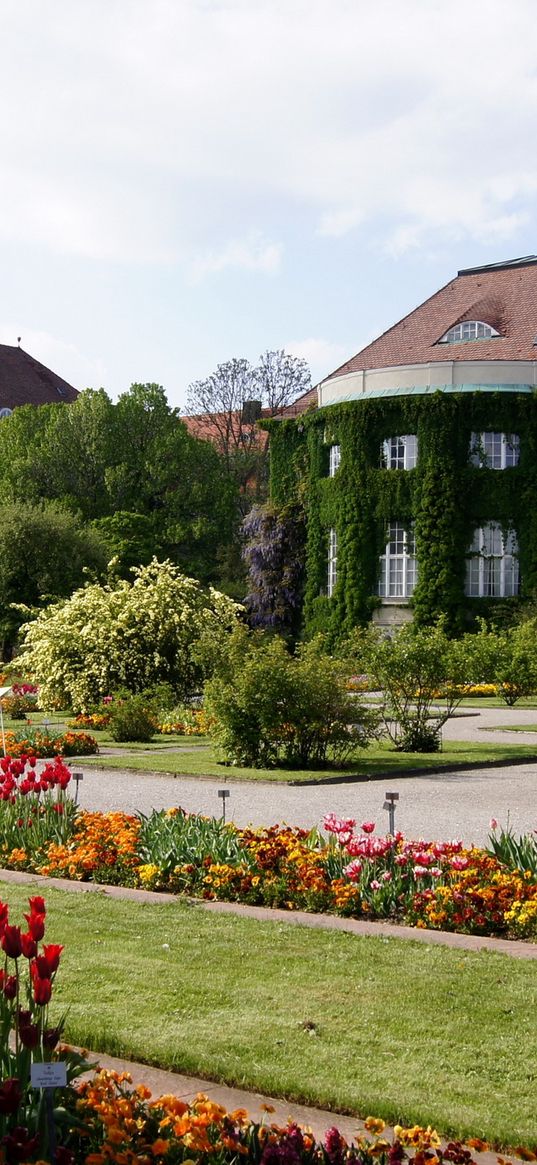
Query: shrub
point(132, 719)
point(161, 628)
point(269, 706)
point(411, 668)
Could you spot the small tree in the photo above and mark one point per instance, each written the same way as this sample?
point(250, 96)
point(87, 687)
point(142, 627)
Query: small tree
point(269, 706)
point(161, 628)
point(515, 670)
point(415, 667)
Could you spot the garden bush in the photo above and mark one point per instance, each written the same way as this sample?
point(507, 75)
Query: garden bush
point(132, 718)
point(412, 668)
point(161, 628)
point(270, 707)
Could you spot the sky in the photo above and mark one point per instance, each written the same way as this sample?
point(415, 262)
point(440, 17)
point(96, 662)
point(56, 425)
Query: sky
point(188, 181)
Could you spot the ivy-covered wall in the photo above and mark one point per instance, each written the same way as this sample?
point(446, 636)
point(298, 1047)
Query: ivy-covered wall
point(444, 496)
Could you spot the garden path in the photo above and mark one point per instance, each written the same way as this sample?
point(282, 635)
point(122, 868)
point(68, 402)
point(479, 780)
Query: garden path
point(443, 805)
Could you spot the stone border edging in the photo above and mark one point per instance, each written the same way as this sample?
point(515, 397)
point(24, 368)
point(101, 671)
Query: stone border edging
point(516, 948)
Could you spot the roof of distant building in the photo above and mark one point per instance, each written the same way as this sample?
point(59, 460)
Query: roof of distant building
point(24, 381)
point(502, 295)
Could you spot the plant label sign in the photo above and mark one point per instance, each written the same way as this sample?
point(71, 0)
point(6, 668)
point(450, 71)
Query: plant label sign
point(49, 1075)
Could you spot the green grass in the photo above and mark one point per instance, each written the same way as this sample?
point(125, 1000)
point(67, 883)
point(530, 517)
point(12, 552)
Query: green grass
point(375, 761)
point(495, 702)
point(402, 1030)
point(57, 723)
point(513, 728)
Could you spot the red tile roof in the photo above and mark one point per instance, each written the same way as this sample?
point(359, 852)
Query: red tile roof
point(502, 295)
point(24, 381)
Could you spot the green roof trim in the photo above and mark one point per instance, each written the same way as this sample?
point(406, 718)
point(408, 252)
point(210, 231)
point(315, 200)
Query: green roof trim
point(427, 390)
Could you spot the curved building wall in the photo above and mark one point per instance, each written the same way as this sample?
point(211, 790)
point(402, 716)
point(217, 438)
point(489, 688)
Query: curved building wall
point(455, 534)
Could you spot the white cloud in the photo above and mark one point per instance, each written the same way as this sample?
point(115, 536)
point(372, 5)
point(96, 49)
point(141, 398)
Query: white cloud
point(150, 132)
point(251, 254)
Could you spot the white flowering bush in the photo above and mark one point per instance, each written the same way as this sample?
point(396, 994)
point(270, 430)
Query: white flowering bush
point(161, 627)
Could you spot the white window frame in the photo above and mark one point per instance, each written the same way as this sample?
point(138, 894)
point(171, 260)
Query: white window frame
point(490, 450)
point(334, 461)
point(398, 563)
point(492, 563)
point(399, 452)
point(467, 331)
point(332, 562)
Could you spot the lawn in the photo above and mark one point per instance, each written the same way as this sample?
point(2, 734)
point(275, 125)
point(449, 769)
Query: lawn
point(513, 728)
point(379, 1026)
point(377, 761)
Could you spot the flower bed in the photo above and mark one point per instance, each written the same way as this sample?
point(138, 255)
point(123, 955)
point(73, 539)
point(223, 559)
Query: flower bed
point(38, 743)
point(350, 872)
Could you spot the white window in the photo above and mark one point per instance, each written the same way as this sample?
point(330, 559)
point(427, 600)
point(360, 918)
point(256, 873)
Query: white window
point(469, 330)
point(399, 452)
point(332, 562)
point(494, 450)
point(492, 563)
point(335, 459)
point(398, 566)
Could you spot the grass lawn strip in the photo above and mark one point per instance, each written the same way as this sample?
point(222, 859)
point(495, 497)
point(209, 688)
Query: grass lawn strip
point(370, 1026)
point(377, 761)
point(513, 728)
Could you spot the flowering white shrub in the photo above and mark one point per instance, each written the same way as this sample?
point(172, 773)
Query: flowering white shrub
point(162, 627)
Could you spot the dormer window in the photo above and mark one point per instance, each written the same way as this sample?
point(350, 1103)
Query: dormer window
point(469, 330)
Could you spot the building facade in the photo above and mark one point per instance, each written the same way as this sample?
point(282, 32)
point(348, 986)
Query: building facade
point(417, 471)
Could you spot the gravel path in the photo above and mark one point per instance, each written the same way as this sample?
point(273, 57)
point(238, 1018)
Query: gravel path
point(443, 805)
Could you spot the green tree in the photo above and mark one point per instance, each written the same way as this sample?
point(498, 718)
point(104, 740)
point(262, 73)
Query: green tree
point(160, 628)
point(269, 706)
point(414, 668)
point(135, 458)
point(44, 554)
point(515, 662)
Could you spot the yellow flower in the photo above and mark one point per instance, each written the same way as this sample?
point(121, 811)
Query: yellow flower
point(375, 1125)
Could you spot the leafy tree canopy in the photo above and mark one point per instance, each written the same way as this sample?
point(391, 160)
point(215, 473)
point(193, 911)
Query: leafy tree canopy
point(44, 554)
point(135, 457)
point(160, 628)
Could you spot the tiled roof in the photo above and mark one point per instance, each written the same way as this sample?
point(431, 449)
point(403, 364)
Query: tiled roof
point(502, 295)
point(24, 381)
point(210, 426)
point(306, 401)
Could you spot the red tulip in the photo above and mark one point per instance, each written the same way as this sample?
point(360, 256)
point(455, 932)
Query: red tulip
point(51, 1036)
point(4, 915)
point(29, 1034)
point(10, 986)
point(51, 955)
point(11, 941)
point(37, 905)
point(10, 1095)
point(29, 946)
point(42, 991)
point(36, 925)
point(20, 1146)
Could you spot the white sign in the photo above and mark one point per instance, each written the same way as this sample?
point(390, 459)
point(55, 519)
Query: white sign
point(49, 1075)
